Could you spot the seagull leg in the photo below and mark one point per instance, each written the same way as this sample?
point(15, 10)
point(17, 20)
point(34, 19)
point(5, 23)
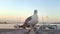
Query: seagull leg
point(24, 27)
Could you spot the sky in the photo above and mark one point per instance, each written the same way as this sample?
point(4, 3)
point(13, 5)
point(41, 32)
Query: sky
point(19, 10)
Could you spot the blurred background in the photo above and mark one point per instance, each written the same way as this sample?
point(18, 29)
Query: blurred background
point(16, 11)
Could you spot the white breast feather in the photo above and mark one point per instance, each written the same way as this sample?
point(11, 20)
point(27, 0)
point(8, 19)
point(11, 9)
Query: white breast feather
point(34, 20)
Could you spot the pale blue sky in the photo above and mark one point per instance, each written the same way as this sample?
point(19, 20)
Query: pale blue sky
point(14, 8)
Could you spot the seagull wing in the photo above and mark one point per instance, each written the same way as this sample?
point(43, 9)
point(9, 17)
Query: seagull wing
point(27, 20)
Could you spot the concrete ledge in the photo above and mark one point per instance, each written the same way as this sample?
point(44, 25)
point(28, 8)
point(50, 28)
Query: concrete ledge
point(24, 31)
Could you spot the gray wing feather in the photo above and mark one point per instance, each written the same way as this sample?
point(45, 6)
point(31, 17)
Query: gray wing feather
point(27, 20)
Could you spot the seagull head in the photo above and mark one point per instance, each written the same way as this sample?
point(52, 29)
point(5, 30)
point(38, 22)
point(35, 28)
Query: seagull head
point(35, 11)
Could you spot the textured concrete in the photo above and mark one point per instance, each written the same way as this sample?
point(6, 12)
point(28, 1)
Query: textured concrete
point(27, 31)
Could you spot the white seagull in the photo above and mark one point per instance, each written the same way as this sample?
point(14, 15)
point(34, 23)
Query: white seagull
point(31, 21)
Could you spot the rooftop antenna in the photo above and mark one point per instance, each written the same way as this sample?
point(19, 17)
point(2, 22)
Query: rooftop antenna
point(17, 22)
point(43, 23)
point(47, 19)
point(43, 20)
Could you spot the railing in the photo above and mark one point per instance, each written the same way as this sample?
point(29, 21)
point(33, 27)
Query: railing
point(12, 25)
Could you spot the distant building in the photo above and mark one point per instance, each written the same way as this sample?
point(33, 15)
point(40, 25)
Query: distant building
point(3, 22)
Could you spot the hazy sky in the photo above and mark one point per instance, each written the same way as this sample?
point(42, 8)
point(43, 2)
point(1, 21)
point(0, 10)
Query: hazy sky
point(21, 9)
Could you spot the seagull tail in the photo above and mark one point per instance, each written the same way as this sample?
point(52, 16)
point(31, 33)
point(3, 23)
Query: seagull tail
point(22, 26)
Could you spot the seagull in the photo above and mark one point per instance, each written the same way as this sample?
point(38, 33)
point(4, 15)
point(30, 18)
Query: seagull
point(31, 21)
